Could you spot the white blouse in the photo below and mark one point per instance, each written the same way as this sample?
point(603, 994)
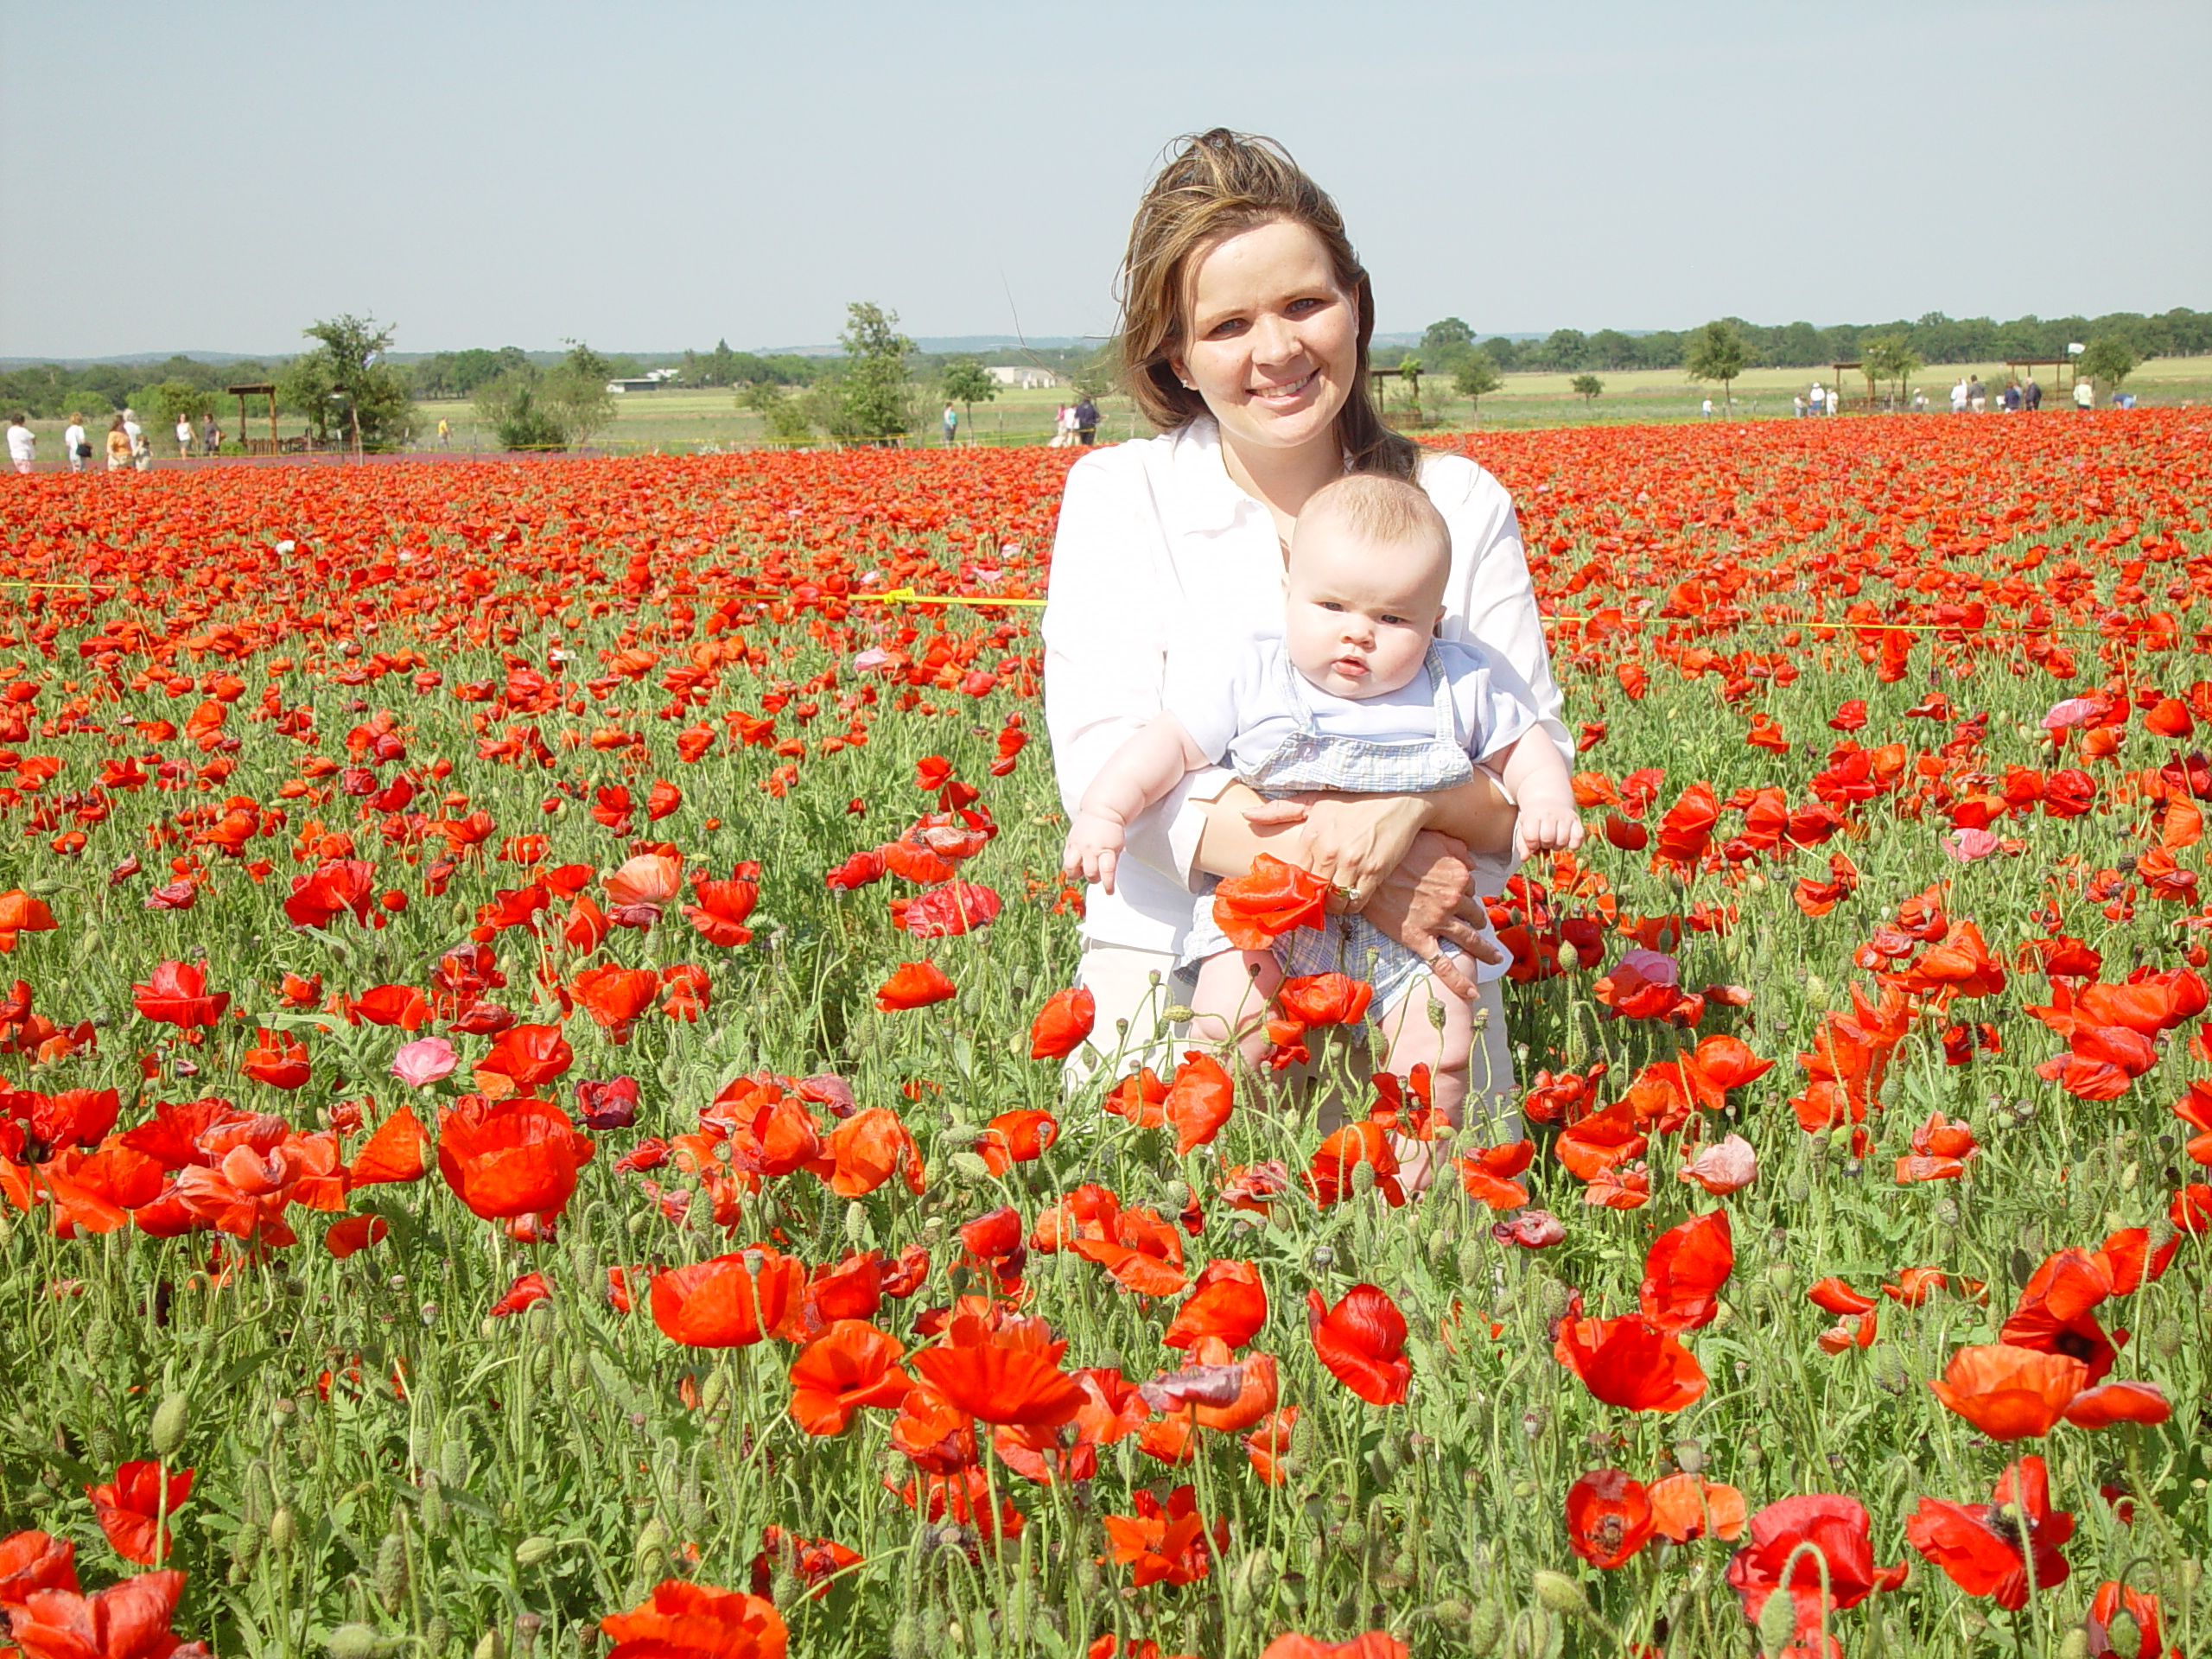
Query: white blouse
point(1156, 540)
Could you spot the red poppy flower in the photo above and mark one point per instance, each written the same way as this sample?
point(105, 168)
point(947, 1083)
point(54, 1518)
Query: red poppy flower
point(1141, 1097)
point(682, 1620)
point(393, 1153)
point(1140, 1249)
point(1198, 1102)
point(1628, 1362)
point(1684, 1271)
point(914, 985)
point(1326, 999)
point(1062, 1024)
point(2055, 1313)
point(528, 1055)
point(1329, 1177)
point(1168, 1543)
point(128, 1506)
point(1361, 1340)
point(867, 1150)
point(1228, 1301)
point(1684, 1507)
point(1374, 1644)
point(2141, 1608)
point(1488, 1172)
point(2008, 1393)
point(175, 994)
point(528, 1290)
point(353, 1234)
point(21, 914)
point(947, 911)
point(1019, 1136)
point(2120, 1403)
point(614, 996)
point(276, 1059)
point(128, 1620)
point(1255, 909)
point(1838, 1529)
point(1978, 1545)
point(510, 1157)
point(35, 1561)
point(1608, 1518)
point(851, 1364)
point(1010, 1375)
point(730, 1301)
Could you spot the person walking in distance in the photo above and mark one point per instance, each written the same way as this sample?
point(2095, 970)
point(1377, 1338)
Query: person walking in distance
point(211, 435)
point(72, 442)
point(118, 446)
point(951, 425)
point(2085, 394)
point(1086, 422)
point(184, 437)
point(445, 432)
point(2031, 395)
point(142, 448)
point(23, 443)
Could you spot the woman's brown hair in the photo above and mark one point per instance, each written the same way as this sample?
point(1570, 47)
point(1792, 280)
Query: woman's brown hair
point(1218, 183)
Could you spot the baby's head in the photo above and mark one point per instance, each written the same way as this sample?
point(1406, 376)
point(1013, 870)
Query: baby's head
point(1364, 588)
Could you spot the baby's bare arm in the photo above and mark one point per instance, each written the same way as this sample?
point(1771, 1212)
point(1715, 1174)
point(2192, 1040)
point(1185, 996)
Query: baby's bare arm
point(1140, 772)
point(1539, 782)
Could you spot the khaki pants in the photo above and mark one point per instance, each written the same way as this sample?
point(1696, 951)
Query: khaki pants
point(1138, 987)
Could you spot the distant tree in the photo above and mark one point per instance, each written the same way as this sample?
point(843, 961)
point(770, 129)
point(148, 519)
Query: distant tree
point(176, 399)
point(1716, 352)
point(1097, 375)
point(2109, 360)
point(1503, 353)
point(1566, 348)
point(1476, 378)
point(1587, 387)
point(1891, 356)
point(512, 406)
point(967, 383)
point(783, 418)
point(1409, 372)
point(348, 384)
point(574, 393)
point(1446, 342)
point(874, 389)
point(1611, 349)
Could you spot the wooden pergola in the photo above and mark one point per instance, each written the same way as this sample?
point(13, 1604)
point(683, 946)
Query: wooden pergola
point(2062, 367)
point(258, 389)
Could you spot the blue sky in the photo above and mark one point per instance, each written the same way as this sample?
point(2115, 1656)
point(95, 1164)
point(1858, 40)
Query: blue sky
point(652, 174)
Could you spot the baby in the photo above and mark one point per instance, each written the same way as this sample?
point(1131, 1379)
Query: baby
point(1356, 695)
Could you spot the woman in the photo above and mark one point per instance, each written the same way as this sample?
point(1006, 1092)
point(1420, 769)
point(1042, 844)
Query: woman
point(1245, 330)
point(119, 446)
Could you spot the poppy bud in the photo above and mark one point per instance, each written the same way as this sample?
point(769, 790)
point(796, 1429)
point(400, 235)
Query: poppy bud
point(1689, 1457)
point(437, 1634)
point(1362, 1175)
point(353, 1642)
point(392, 1572)
point(170, 1421)
point(1177, 1013)
point(453, 1461)
point(971, 1166)
point(1562, 1594)
point(857, 1231)
point(1569, 958)
point(1351, 1538)
point(434, 1508)
point(1484, 1626)
point(490, 1645)
point(699, 1214)
point(284, 1530)
point(906, 1637)
point(1777, 1622)
point(533, 1549)
point(650, 1543)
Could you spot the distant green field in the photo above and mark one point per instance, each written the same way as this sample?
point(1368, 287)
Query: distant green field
point(690, 422)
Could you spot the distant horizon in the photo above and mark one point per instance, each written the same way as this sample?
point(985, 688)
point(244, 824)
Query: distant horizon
point(944, 344)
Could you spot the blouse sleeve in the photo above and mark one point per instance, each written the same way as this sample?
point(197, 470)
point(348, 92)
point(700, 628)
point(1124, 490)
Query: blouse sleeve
point(1107, 617)
point(1497, 600)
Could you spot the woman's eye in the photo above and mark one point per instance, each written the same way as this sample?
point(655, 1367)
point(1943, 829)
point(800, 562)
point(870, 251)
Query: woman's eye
point(1224, 328)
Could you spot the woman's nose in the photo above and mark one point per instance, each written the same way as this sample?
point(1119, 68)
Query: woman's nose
point(1273, 340)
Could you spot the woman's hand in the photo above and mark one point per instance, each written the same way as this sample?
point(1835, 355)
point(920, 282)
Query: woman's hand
point(1428, 897)
point(1351, 842)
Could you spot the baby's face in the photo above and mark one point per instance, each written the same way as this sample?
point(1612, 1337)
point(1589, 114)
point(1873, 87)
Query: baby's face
point(1359, 614)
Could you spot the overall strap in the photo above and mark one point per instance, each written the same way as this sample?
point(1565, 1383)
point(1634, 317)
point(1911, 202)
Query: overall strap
point(1295, 693)
point(1440, 692)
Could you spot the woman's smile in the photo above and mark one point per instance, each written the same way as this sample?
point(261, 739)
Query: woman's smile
point(1283, 394)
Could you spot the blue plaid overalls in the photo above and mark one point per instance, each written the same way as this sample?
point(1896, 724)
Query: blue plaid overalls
point(1310, 758)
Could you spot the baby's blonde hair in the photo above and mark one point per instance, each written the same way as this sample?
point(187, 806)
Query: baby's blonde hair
point(1379, 508)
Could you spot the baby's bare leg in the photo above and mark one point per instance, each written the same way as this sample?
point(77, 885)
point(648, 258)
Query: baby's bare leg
point(1416, 1037)
point(1234, 990)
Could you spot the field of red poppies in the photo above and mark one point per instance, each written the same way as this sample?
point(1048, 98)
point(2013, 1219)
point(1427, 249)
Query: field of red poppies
point(532, 1129)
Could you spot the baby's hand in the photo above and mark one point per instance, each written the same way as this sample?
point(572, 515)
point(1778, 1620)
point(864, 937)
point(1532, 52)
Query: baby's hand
point(1276, 812)
point(1546, 826)
point(1094, 846)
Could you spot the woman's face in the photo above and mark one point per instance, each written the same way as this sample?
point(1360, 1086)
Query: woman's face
point(1273, 340)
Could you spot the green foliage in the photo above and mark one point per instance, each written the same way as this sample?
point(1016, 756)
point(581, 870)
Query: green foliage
point(342, 388)
point(967, 383)
point(874, 389)
point(1099, 375)
point(1587, 387)
point(1477, 376)
point(1444, 343)
point(1716, 353)
point(1891, 356)
point(512, 407)
point(458, 374)
point(2109, 360)
point(574, 392)
point(174, 398)
point(784, 418)
point(1565, 348)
